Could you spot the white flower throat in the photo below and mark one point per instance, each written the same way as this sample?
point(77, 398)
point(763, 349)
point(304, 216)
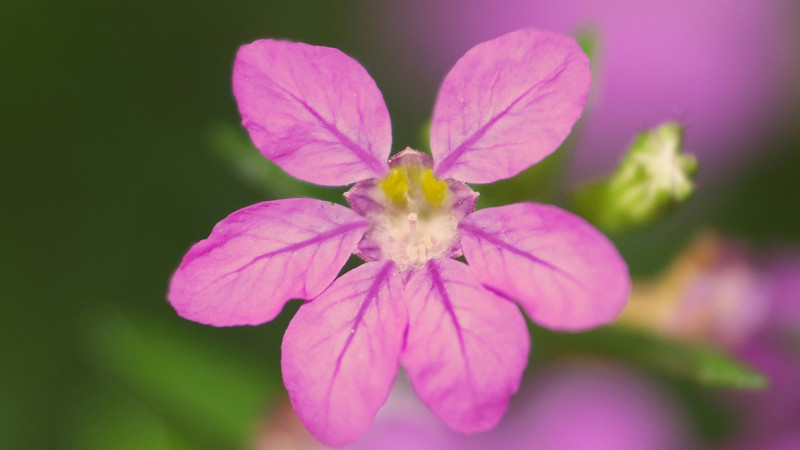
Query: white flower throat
point(414, 215)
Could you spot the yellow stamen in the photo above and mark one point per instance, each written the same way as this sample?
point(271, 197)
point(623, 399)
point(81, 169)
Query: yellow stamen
point(395, 186)
point(416, 185)
point(434, 190)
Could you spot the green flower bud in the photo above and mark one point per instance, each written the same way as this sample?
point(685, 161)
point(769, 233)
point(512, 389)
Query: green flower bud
point(653, 178)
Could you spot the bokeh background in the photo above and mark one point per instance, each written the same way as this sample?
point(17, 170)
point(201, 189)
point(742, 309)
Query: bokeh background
point(121, 147)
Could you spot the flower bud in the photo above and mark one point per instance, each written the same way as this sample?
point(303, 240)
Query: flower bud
point(653, 178)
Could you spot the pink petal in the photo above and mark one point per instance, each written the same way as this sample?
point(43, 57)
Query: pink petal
point(507, 104)
point(564, 273)
point(340, 352)
point(259, 257)
point(466, 347)
point(314, 111)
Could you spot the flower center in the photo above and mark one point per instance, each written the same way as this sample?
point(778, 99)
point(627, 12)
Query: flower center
point(414, 215)
point(416, 224)
point(414, 187)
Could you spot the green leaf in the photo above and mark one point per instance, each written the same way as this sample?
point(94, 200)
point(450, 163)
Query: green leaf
point(425, 137)
point(589, 40)
point(106, 419)
point(538, 182)
point(701, 364)
point(205, 387)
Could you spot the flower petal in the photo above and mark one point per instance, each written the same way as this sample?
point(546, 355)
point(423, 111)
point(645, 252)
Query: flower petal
point(314, 111)
point(259, 257)
point(507, 104)
point(341, 350)
point(564, 272)
point(466, 347)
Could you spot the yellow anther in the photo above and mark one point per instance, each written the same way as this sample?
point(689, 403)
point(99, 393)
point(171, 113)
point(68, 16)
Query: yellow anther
point(414, 184)
point(434, 190)
point(395, 186)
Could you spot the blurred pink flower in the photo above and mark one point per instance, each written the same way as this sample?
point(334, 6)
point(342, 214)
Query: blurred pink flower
point(586, 406)
point(580, 405)
point(782, 277)
point(724, 68)
point(711, 293)
point(505, 105)
point(717, 292)
point(773, 416)
point(775, 411)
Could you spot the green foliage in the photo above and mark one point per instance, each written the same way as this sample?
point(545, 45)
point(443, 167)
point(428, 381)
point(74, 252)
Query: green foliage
point(589, 41)
point(103, 418)
point(212, 394)
point(689, 361)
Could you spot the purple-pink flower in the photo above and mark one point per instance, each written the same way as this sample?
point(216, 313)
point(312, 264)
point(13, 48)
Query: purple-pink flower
point(453, 327)
point(718, 292)
point(574, 404)
point(726, 69)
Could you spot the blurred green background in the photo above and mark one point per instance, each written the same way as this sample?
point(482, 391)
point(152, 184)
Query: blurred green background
point(116, 119)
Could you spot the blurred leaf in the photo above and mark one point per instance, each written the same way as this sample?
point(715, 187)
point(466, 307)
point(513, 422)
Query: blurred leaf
point(538, 182)
point(233, 145)
point(104, 419)
point(589, 40)
point(700, 364)
point(214, 392)
point(425, 137)
point(757, 205)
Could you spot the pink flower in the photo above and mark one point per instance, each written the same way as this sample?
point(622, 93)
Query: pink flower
point(717, 292)
point(574, 404)
point(316, 113)
point(727, 69)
